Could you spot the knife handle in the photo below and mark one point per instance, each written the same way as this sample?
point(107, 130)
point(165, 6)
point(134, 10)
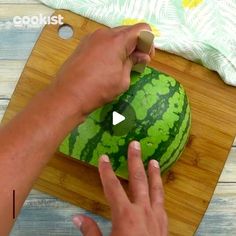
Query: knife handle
point(145, 41)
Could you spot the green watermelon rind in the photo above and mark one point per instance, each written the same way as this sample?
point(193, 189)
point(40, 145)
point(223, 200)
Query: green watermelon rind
point(166, 94)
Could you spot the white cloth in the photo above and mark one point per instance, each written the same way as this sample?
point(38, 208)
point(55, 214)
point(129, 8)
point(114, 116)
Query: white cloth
point(203, 31)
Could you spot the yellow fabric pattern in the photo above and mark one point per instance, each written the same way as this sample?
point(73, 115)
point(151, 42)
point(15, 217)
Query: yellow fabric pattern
point(191, 3)
point(132, 21)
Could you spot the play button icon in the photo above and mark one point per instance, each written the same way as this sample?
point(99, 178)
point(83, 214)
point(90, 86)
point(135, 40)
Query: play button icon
point(117, 118)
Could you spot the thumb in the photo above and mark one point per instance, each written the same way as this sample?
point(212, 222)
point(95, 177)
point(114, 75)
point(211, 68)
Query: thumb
point(86, 225)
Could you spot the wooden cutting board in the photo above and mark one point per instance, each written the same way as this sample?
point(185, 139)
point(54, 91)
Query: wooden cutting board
point(190, 184)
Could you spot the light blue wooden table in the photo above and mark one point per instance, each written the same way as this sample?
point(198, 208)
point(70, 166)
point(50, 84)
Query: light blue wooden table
point(44, 215)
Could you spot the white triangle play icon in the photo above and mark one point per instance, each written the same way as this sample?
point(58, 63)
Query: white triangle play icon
point(117, 118)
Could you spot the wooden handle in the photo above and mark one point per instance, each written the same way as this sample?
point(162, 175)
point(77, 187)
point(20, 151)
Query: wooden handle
point(145, 41)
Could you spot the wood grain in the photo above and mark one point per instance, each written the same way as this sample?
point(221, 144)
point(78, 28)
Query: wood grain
point(9, 74)
point(193, 160)
point(234, 144)
point(229, 172)
point(31, 223)
point(3, 107)
point(43, 214)
point(20, 40)
point(219, 219)
point(54, 217)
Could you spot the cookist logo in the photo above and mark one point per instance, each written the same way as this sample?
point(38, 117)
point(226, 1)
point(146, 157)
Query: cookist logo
point(38, 20)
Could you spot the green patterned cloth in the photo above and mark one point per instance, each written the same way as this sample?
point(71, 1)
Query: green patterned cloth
point(203, 31)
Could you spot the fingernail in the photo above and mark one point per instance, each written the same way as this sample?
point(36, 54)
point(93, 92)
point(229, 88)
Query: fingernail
point(78, 220)
point(136, 145)
point(105, 158)
point(155, 163)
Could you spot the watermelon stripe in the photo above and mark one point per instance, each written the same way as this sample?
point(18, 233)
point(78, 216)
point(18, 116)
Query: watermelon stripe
point(128, 97)
point(164, 145)
point(175, 153)
point(87, 152)
point(154, 115)
point(179, 150)
point(162, 125)
point(72, 139)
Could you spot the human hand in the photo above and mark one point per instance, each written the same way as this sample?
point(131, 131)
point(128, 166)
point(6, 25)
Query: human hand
point(141, 215)
point(99, 69)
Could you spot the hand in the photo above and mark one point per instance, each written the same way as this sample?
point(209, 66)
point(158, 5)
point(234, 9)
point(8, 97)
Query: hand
point(99, 69)
point(141, 215)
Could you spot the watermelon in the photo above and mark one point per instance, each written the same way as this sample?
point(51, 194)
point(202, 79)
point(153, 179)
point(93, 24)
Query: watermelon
point(161, 125)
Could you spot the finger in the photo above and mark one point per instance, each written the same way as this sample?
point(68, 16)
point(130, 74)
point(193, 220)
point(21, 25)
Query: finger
point(120, 28)
point(131, 36)
point(86, 225)
point(155, 185)
point(133, 59)
point(129, 63)
point(137, 176)
point(140, 57)
point(113, 189)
